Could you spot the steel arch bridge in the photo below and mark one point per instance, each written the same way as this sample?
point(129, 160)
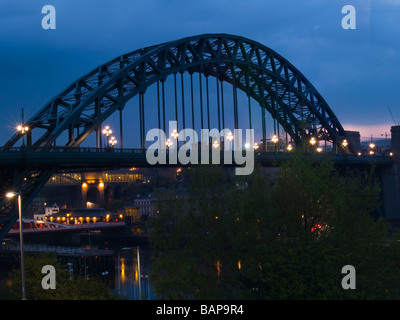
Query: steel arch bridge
point(262, 74)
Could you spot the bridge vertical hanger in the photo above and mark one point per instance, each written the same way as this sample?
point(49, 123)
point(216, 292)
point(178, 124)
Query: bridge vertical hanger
point(121, 105)
point(142, 121)
point(120, 128)
point(183, 104)
point(218, 106)
point(192, 98)
point(208, 104)
point(98, 128)
point(263, 117)
point(163, 103)
point(277, 131)
point(159, 112)
point(235, 106)
point(275, 114)
point(158, 105)
point(249, 104)
point(248, 95)
point(201, 101)
point(222, 104)
point(176, 102)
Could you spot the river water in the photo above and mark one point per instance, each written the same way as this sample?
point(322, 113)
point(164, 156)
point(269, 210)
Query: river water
point(132, 279)
point(131, 273)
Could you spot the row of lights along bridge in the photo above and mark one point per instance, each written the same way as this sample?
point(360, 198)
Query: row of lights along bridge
point(112, 141)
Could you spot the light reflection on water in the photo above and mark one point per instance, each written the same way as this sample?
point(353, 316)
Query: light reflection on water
point(127, 281)
point(126, 276)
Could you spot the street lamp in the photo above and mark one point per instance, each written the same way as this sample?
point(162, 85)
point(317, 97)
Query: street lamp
point(345, 144)
point(175, 134)
point(113, 141)
point(371, 147)
point(274, 139)
point(107, 132)
point(230, 137)
point(21, 239)
point(169, 143)
point(313, 141)
point(23, 129)
point(289, 147)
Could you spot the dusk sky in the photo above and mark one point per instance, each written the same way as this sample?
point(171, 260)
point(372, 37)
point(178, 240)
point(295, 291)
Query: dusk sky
point(356, 71)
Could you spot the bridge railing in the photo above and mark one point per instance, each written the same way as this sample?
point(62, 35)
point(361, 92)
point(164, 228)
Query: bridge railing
point(70, 149)
point(126, 152)
point(44, 249)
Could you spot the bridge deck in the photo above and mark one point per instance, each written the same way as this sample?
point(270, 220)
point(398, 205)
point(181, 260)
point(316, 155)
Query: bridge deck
point(70, 158)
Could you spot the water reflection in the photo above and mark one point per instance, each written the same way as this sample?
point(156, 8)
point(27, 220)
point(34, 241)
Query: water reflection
point(128, 279)
point(132, 273)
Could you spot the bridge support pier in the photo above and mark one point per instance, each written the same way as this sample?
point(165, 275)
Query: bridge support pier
point(391, 181)
point(395, 131)
point(92, 190)
point(391, 193)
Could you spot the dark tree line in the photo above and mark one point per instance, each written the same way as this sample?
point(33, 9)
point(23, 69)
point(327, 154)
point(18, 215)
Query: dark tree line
point(255, 237)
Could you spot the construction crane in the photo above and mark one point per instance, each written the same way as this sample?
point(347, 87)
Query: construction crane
point(396, 123)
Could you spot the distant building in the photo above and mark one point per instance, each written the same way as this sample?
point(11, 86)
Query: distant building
point(147, 206)
point(51, 210)
point(131, 213)
point(48, 211)
point(37, 207)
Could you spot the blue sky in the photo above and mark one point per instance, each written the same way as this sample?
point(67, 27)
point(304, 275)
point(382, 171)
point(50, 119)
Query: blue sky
point(356, 71)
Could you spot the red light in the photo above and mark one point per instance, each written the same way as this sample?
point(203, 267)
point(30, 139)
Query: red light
point(319, 226)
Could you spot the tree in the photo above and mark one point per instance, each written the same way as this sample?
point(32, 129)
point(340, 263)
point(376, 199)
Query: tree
point(255, 237)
